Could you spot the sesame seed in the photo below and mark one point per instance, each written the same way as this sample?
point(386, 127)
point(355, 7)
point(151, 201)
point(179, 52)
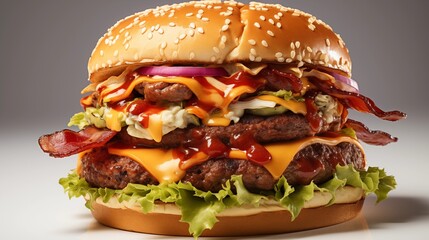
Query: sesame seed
point(328, 43)
point(182, 36)
point(277, 17)
point(136, 56)
point(143, 30)
point(225, 28)
point(264, 43)
point(270, 33)
point(191, 55)
point(252, 57)
point(172, 24)
point(142, 23)
point(262, 17)
point(160, 31)
point(311, 27)
point(292, 45)
point(200, 11)
point(205, 19)
point(191, 32)
point(279, 25)
point(200, 30)
point(256, 24)
point(229, 13)
point(163, 45)
point(176, 41)
point(309, 49)
point(271, 21)
point(297, 44)
point(217, 7)
point(199, 15)
point(150, 35)
point(252, 42)
point(281, 59)
point(300, 64)
point(289, 60)
point(127, 45)
point(279, 54)
point(299, 57)
point(192, 25)
point(157, 27)
point(292, 54)
point(189, 14)
point(227, 21)
point(115, 54)
point(213, 59)
point(101, 52)
point(223, 39)
point(216, 50)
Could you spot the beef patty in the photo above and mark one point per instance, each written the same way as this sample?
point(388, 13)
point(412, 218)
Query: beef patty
point(313, 163)
point(276, 128)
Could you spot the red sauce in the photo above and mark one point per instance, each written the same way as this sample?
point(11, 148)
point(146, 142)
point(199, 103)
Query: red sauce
point(119, 106)
point(218, 148)
point(307, 169)
point(255, 152)
point(144, 109)
point(243, 79)
point(314, 119)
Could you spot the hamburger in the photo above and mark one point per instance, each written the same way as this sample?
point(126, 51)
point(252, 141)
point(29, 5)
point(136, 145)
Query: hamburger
point(215, 118)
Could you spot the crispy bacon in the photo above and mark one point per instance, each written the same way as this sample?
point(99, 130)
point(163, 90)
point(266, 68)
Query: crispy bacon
point(369, 136)
point(67, 142)
point(279, 80)
point(356, 101)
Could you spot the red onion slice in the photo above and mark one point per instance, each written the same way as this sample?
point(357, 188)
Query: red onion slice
point(348, 81)
point(183, 71)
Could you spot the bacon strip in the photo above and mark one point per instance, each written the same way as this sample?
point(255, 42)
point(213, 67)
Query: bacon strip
point(357, 101)
point(376, 137)
point(67, 142)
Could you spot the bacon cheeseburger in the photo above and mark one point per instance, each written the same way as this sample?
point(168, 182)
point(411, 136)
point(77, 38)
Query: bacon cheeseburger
point(218, 119)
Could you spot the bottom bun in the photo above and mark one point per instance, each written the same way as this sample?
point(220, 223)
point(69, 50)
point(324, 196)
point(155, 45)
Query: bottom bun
point(262, 222)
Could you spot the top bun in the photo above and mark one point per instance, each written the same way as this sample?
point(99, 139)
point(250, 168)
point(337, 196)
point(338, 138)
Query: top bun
point(215, 32)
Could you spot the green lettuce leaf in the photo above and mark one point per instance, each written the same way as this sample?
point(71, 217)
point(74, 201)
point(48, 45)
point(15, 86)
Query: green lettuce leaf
point(199, 208)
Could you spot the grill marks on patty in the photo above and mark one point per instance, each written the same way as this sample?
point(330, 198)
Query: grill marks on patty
point(315, 162)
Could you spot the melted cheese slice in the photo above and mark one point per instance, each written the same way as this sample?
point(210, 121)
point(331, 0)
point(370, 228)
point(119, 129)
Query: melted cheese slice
point(159, 162)
point(165, 168)
point(294, 106)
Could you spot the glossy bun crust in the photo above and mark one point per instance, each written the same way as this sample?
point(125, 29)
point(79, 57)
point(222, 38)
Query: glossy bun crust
point(273, 222)
point(214, 32)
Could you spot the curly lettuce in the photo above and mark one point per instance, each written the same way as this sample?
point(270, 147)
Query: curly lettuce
point(199, 208)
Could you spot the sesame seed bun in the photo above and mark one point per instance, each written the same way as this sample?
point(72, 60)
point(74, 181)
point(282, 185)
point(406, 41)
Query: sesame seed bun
point(269, 218)
point(213, 32)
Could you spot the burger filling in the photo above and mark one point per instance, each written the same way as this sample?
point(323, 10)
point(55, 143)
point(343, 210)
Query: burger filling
point(235, 136)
